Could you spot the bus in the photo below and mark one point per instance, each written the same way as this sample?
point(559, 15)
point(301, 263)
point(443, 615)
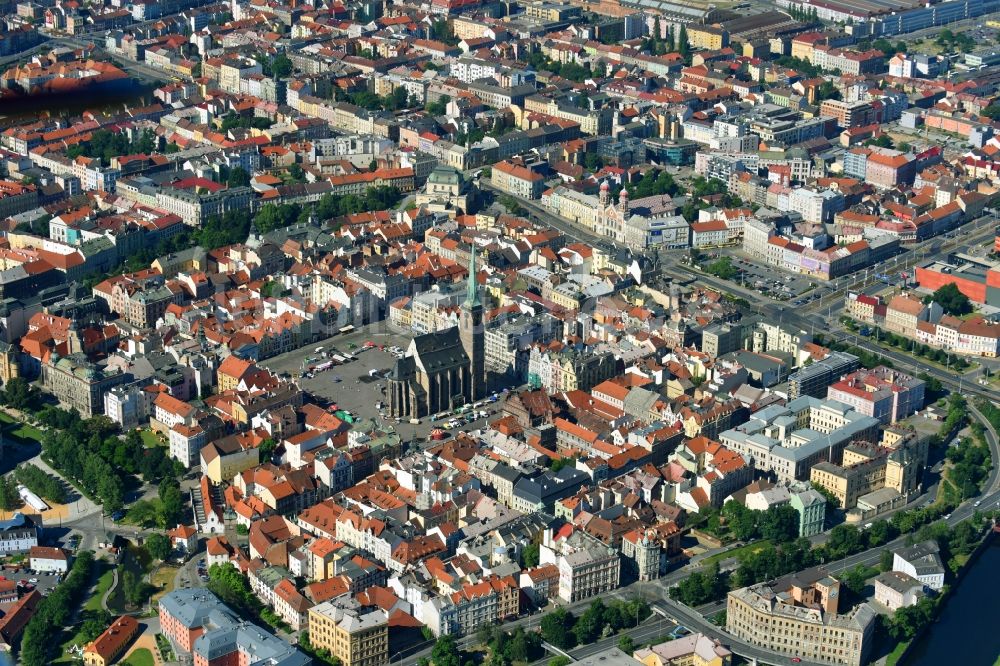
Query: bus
point(346, 329)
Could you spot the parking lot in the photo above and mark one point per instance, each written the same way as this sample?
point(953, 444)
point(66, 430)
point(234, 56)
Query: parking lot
point(43, 582)
point(351, 386)
point(770, 281)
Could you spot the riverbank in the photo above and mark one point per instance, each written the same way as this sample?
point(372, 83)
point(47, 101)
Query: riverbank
point(963, 633)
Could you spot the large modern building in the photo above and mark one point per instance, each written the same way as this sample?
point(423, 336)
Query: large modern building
point(443, 370)
point(80, 384)
point(866, 468)
point(197, 622)
point(798, 616)
point(884, 393)
point(789, 440)
point(814, 379)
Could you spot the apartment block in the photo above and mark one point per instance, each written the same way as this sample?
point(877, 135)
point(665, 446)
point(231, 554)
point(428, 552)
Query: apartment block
point(354, 634)
point(798, 616)
point(587, 567)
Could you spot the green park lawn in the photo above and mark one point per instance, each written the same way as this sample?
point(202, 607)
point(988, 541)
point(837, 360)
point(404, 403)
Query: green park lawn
point(141, 657)
point(738, 552)
point(102, 587)
point(22, 431)
point(149, 438)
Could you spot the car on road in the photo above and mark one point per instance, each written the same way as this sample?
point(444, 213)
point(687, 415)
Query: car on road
point(796, 660)
point(33, 581)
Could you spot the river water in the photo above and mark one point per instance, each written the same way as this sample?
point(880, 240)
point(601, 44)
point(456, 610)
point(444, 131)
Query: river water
point(967, 630)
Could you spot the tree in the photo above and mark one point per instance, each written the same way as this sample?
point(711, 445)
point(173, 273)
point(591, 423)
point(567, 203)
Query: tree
point(441, 31)
point(445, 652)
point(19, 394)
point(952, 300)
point(557, 628)
point(855, 580)
point(780, 524)
point(880, 533)
point(529, 556)
point(590, 624)
point(296, 173)
point(909, 621)
point(279, 216)
point(238, 177)
point(511, 204)
point(158, 546)
point(94, 626)
point(281, 66)
point(992, 111)
point(41, 483)
point(593, 161)
point(9, 498)
point(683, 45)
point(625, 644)
point(741, 520)
point(827, 90)
point(883, 141)
point(700, 587)
point(844, 540)
point(399, 98)
point(226, 582)
point(171, 504)
point(267, 449)
point(722, 268)
point(130, 585)
point(885, 561)
point(439, 107)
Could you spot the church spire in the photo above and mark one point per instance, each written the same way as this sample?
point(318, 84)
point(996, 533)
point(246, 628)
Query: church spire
point(472, 287)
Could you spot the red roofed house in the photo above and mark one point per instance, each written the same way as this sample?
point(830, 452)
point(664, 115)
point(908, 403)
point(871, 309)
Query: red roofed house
point(184, 537)
point(45, 559)
point(110, 645)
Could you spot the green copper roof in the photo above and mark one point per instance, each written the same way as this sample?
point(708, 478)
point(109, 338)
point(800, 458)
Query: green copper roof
point(472, 288)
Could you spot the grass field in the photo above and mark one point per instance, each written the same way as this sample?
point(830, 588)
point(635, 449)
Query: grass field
point(141, 657)
point(163, 580)
point(149, 438)
point(738, 552)
point(23, 431)
point(897, 652)
point(103, 585)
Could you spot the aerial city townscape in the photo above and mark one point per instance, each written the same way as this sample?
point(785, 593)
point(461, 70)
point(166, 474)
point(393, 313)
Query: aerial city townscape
point(499, 332)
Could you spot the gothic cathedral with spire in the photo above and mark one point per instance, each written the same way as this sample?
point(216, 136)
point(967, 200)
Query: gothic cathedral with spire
point(443, 370)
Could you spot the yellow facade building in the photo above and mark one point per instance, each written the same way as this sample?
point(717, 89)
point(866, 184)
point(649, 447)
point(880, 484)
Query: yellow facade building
point(355, 634)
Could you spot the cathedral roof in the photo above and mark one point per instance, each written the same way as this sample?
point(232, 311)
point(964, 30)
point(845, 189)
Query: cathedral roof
point(402, 369)
point(441, 350)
